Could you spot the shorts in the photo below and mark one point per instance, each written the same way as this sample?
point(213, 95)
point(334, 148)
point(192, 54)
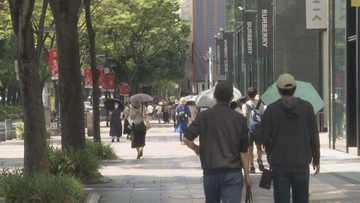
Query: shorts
point(254, 138)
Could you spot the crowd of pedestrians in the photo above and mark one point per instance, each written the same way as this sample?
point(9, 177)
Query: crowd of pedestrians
point(287, 131)
point(284, 130)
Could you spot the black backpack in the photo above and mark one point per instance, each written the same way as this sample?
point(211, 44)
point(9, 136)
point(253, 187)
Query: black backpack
point(181, 113)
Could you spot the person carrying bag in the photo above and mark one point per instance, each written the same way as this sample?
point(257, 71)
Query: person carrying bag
point(138, 114)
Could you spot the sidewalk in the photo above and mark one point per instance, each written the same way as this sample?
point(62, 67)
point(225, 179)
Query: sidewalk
point(171, 173)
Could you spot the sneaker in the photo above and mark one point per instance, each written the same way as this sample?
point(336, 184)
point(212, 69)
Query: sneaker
point(112, 140)
point(261, 165)
point(118, 140)
point(252, 168)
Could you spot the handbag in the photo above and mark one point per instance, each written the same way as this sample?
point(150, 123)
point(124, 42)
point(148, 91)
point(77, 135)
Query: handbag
point(141, 126)
point(248, 197)
point(147, 123)
point(266, 179)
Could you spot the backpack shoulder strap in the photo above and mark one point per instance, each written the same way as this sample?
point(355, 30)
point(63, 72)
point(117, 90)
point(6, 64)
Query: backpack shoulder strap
point(249, 107)
point(258, 104)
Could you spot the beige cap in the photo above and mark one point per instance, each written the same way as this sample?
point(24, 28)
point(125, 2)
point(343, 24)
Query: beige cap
point(183, 100)
point(285, 81)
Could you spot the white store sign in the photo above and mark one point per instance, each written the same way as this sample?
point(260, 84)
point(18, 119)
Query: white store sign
point(316, 14)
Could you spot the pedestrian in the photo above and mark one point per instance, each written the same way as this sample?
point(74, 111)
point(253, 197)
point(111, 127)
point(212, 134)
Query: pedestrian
point(150, 110)
point(138, 113)
point(127, 123)
point(223, 138)
point(182, 114)
point(166, 112)
point(159, 112)
point(253, 138)
point(115, 122)
point(173, 108)
point(289, 132)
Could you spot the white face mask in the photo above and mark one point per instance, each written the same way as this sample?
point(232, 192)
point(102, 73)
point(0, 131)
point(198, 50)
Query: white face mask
point(116, 106)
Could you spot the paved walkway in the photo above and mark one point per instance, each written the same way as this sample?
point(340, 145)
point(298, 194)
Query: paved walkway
point(171, 173)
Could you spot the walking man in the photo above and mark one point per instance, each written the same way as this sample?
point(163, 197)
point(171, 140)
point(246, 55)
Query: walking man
point(291, 138)
point(223, 138)
point(253, 138)
point(150, 110)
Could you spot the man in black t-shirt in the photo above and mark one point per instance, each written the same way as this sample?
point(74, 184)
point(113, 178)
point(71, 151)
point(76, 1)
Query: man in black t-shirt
point(223, 148)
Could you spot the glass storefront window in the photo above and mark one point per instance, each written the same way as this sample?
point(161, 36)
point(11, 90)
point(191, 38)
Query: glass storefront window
point(339, 94)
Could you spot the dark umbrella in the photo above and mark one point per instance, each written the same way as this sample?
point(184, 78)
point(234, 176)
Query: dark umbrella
point(109, 104)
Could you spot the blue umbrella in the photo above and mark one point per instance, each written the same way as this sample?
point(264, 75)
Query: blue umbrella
point(304, 90)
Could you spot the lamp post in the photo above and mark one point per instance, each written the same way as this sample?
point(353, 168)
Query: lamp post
point(210, 56)
point(106, 72)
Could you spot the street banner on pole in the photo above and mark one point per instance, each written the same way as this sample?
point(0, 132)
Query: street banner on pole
point(109, 83)
point(228, 52)
point(88, 78)
point(265, 28)
point(53, 64)
point(88, 81)
point(316, 14)
point(249, 37)
point(121, 90)
point(126, 90)
point(220, 57)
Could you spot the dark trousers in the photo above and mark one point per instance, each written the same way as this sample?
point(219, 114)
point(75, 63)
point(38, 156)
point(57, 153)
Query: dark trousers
point(224, 187)
point(297, 181)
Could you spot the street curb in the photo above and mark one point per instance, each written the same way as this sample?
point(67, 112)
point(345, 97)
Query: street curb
point(92, 198)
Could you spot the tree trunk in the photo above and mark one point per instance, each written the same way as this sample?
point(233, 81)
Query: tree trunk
point(66, 14)
point(35, 143)
point(14, 98)
point(95, 73)
point(8, 96)
point(2, 89)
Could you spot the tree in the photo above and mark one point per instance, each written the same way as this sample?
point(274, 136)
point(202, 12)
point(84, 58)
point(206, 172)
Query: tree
point(136, 31)
point(66, 14)
point(95, 72)
point(35, 145)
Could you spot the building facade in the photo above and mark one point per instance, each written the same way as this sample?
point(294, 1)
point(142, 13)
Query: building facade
point(208, 17)
point(186, 13)
point(327, 57)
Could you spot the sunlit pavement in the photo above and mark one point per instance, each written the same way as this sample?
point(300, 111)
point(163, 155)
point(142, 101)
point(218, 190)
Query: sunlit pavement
point(170, 172)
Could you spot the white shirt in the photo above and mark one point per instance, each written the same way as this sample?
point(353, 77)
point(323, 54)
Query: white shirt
point(138, 118)
point(150, 109)
point(252, 104)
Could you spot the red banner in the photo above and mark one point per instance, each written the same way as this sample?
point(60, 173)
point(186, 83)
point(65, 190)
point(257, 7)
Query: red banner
point(53, 64)
point(109, 82)
point(88, 82)
point(123, 90)
point(126, 90)
point(120, 89)
point(88, 78)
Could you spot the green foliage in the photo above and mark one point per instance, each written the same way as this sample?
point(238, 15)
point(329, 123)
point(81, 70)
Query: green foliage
point(100, 150)
point(82, 165)
point(16, 186)
point(20, 131)
point(10, 112)
point(145, 38)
